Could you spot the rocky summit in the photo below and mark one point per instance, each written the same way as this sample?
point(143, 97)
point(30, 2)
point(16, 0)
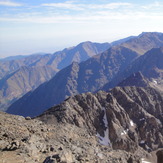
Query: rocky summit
point(124, 125)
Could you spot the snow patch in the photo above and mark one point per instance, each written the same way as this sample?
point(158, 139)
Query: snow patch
point(142, 142)
point(100, 155)
point(131, 123)
point(104, 140)
point(142, 119)
point(123, 133)
point(154, 81)
point(144, 161)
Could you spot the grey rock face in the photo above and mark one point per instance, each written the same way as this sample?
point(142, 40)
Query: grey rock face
point(159, 156)
point(34, 141)
point(121, 125)
point(133, 116)
point(136, 79)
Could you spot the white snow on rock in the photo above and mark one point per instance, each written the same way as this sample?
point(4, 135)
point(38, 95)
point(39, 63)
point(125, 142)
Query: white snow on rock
point(142, 142)
point(123, 133)
point(144, 161)
point(131, 123)
point(104, 140)
point(142, 119)
point(154, 81)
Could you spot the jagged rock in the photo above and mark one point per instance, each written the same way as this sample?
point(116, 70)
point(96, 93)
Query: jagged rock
point(159, 156)
point(121, 125)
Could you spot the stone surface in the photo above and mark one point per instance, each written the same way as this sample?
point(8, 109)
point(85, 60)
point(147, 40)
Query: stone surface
point(122, 125)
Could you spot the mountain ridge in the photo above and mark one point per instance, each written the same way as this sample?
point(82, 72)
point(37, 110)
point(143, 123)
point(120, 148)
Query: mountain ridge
point(77, 78)
point(89, 76)
point(149, 64)
point(25, 79)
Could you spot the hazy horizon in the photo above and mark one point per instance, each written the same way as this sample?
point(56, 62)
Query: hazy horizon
point(28, 27)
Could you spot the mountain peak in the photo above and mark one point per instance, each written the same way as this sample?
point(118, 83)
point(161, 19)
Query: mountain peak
point(136, 79)
point(145, 42)
point(149, 33)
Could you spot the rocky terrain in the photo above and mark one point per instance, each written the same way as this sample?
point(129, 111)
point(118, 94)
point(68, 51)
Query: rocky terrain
point(118, 118)
point(123, 125)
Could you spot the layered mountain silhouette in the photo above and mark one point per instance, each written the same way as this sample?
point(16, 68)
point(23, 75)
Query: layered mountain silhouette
point(18, 83)
point(105, 109)
point(76, 78)
point(145, 42)
point(90, 75)
point(58, 60)
point(22, 74)
point(104, 70)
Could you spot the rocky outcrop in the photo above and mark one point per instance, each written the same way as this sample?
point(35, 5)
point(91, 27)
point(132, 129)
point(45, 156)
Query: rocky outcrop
point(159, 156)
point(34, 141)
point(122, 125)
point(128, 115)
point(136, 79)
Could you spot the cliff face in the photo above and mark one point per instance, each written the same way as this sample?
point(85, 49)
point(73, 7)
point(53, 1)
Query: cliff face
point(116, 126)
point(120, 117)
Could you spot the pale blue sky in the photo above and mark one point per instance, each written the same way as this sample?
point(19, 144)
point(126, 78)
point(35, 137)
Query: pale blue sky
point(31, 26)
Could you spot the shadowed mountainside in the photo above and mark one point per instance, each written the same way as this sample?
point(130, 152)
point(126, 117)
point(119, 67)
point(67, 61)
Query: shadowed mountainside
point(98, 72)
point(150, 65)
point(58, 60)
point(76, 78)
point(22, 81)
point(145, 42)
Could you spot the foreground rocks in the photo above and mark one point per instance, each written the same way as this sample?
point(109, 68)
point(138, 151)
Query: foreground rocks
point(120, 126)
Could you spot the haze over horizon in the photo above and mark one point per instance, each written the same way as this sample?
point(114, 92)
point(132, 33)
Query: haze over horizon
point(28, 27)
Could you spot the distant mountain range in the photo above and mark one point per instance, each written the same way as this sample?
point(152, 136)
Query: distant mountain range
point(22, 74)
point(23, 80)
point(95, 73)
point(144, 42)
point(150, 65)
point(74, 79)
point(58, 60)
